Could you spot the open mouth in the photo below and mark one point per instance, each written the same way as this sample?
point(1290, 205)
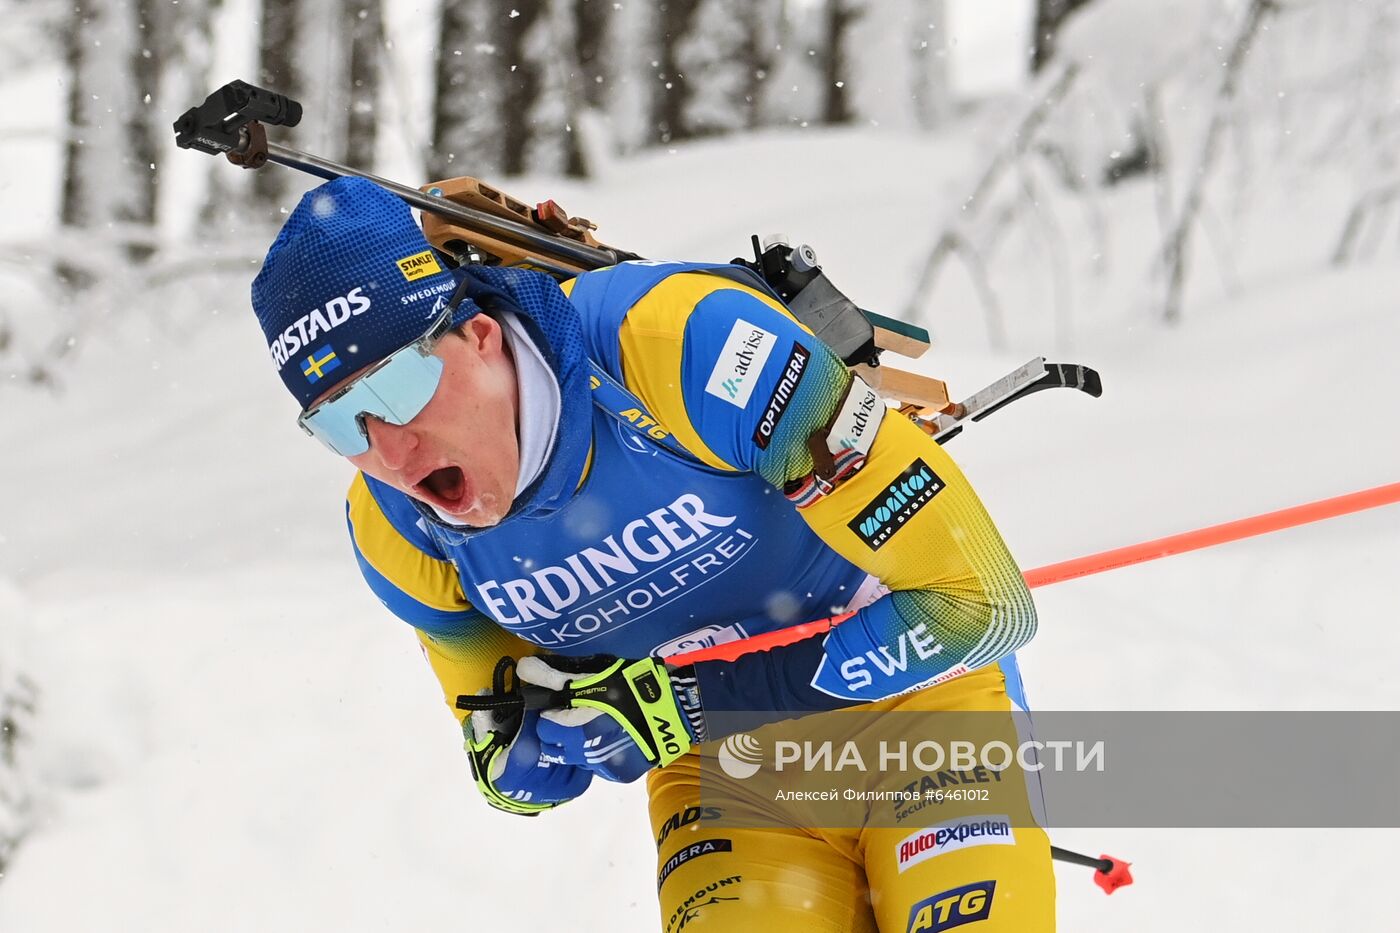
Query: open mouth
point(445, 488)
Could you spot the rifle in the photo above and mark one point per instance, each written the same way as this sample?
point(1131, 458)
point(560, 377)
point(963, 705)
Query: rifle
point(469, 221)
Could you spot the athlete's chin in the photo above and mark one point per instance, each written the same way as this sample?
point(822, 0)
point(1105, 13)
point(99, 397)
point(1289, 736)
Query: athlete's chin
point(484, 510)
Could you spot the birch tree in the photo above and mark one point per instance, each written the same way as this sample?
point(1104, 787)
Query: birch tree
point(114, 145)
point(592, 19)
point(632, 66)
point(18, 701)
point(549, 50)
point(672, 25)
point(520, 81)
point(794, 91)
point(281, 68)
point(366, 40)
point(468, 91)
point(898, 67)
point(723, 60)
point(1050, 15)
point(836, 59)
point(1176, 243)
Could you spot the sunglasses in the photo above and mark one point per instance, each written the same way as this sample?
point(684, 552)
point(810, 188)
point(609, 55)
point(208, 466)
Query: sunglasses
point(395, 390)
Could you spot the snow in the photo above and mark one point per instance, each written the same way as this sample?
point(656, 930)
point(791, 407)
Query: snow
point(1134, 45)
point(988, 43)
point(234, 735)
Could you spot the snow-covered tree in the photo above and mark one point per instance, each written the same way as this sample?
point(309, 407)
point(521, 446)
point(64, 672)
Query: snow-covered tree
point(282, 67)
point(835, 58)
point(193, 69)
point(366, 39)
point(520, 81)
point(1219, 100)
point(549, 48)
point(1363, 132)
point(931, 77)
point(794, 91)
point(18, 696)
point(592, 19)
point(898, 74)
point(16, 718)
point(114, 142)
point(632, 89)
point(722, 61)
point(671, 26)
point(326, 55)
point(469, 92)
point(1050, 15)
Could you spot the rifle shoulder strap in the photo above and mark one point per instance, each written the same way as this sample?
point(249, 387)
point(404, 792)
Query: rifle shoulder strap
point(615, 399)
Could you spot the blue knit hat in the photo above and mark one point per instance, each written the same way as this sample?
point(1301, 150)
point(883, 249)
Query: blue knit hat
point(349, 280)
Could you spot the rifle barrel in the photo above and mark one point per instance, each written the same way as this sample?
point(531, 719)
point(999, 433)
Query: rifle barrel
point(520, 234)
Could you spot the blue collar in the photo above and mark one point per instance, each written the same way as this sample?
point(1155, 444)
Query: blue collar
point(552, 322)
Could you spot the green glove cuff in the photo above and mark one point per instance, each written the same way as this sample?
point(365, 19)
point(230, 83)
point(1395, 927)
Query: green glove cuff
point(482, 754)
point(638, 696)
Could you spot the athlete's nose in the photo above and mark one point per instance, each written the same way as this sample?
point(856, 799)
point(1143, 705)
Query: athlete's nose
point(392, 443)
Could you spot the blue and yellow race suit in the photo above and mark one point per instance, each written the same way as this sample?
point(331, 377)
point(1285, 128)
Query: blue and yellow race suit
point(657, 553)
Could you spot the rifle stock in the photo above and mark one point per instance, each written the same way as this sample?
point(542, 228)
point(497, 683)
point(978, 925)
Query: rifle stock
point(465, 242)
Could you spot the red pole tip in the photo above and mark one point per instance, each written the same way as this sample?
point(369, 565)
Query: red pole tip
point(1116, 877)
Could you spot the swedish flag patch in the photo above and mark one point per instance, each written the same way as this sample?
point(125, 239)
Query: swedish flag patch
point(320, 362)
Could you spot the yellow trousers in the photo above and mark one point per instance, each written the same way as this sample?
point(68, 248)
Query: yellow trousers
point(926, 873)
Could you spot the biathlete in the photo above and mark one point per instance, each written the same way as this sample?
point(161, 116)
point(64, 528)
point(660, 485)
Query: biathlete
point(558, 488)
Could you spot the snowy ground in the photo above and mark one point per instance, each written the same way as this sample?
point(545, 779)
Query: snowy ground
point(235, 735)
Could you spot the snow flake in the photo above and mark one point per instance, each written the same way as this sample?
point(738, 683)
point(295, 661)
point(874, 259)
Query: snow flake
point(782, 606)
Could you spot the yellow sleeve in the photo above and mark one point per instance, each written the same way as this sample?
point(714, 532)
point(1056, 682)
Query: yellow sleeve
point(463, 664)
point(415, 581)
point(716, 364)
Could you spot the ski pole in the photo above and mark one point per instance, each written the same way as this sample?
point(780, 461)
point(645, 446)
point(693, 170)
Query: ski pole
point(1214, 534)
point(1110, 873)
point(1093, 563)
